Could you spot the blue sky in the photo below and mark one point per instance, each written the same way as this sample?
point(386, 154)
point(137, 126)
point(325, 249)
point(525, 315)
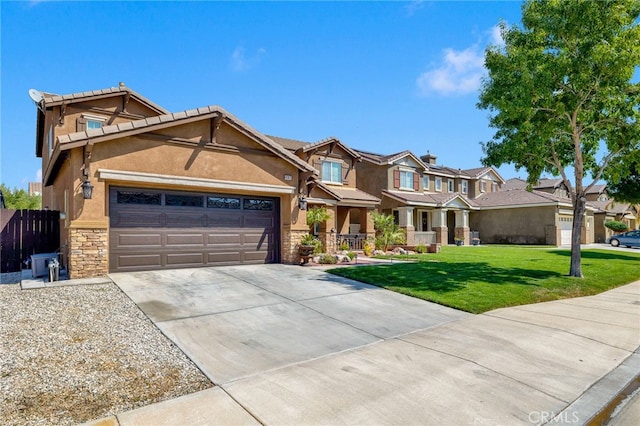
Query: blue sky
point(380, 76)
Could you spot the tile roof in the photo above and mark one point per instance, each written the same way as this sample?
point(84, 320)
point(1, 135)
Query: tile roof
point(329, 140)
point(514, 183)
point(290, 144)
point(426, 198)
point(548, 183)
point(388, 159)
point(518, 197)
point(115, 131)
point(51, 99)
point(352, 194)
point(597, 189)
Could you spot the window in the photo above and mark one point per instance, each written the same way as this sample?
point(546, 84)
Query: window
point(465, 186)
point(257, 204)
point(138, 197)
point(183, 200)
point(87, 121)
point(425, 183)
point(331, 171)
point(406, 179)
point(50, 140)
point(451, 186)
point(438, 184)
point(483, 186)
point(94, 124)
point(223, 203)
point(494, 187)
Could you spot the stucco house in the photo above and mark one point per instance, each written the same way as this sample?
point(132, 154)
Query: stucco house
point(192, 188)
point(431, 202)
point(335, 189)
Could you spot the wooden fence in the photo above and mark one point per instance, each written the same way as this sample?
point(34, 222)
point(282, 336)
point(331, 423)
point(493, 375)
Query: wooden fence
point(26, 232)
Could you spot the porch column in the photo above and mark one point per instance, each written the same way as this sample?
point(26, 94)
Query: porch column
point(366, 222)
point(462, 226)
point(406, 222)
point(439, 218)
point(327, 237)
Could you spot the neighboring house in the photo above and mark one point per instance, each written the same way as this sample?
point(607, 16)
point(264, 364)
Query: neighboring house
point(193, 188)
point(430, 202)
point(349, 207)
point(518, 216)
point(613, 210)
point(35, 188)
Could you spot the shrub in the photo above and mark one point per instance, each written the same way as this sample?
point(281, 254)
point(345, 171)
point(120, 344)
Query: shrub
point(327, 259)
point(368, 247)
point(616, 226)
point(344, 246)
point(421, 248)
point(351, 255)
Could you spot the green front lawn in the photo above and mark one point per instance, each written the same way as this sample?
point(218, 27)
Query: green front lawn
point(479, 279)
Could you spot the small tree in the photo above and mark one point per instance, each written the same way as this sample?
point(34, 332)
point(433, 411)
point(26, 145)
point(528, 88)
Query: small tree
point(616, 226)
point(316, 216)
point(19, 199)
point(387, 232)
point(562, 97)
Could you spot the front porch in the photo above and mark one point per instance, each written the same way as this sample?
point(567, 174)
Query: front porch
point(425, 226)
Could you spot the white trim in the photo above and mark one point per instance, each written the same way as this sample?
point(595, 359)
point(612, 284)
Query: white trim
point(139, 177)
point(92, 117)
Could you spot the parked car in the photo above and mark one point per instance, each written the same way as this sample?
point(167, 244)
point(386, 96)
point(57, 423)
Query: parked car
point(629, 239)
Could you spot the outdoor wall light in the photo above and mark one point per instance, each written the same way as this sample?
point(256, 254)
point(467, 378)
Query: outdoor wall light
point(87, 190)
point(302, 203)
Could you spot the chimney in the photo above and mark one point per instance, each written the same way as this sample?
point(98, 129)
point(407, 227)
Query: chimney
point(429, 158)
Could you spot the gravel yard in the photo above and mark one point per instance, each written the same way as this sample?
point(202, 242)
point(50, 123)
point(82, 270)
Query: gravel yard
point(76, 353)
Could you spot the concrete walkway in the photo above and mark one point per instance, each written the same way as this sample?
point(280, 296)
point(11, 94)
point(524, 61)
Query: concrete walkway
point(291, 345)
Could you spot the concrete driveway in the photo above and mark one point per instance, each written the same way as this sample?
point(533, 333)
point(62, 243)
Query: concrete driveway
point(239, 321)
point(292, 345)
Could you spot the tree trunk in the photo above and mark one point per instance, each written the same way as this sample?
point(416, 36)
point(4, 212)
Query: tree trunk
point(576, 234)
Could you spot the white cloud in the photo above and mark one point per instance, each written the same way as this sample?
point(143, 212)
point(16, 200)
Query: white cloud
point(38, 176)
point(459, 73)
point(496, 36)
point(413, 7)
point(240, 62)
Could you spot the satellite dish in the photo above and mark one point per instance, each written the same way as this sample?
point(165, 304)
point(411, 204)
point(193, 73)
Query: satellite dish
point(35, 96)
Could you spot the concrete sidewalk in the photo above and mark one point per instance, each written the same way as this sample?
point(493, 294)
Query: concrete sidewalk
point(554, 362)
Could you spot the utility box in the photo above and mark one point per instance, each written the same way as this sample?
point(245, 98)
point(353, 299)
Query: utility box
point(40, 264)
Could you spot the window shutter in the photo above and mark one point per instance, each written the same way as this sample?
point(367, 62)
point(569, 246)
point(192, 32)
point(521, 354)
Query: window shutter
point(416, 182)
point(396, 179)
point(345, 172)
point(81, 124)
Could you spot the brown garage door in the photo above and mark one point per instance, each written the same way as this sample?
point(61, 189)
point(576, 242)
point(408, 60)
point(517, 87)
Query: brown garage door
point(153, 229)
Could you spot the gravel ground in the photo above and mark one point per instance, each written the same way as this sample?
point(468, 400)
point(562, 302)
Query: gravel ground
point(78, 353)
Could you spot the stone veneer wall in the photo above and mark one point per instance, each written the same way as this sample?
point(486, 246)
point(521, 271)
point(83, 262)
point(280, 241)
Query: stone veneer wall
point(290, 240)
point(88, 252)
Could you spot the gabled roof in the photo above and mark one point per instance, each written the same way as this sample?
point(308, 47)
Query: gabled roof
point(381, 160)
point(290, 144)
point(514, 183)
point(611, 206)
point(329, 141)
point(548, 183)
point(130, 128)
point(519, 198)
point(428, 199)
point(50, 99)
point(597, 189)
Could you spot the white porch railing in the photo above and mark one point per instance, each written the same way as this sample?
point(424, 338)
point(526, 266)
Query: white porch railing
point(424, 238)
